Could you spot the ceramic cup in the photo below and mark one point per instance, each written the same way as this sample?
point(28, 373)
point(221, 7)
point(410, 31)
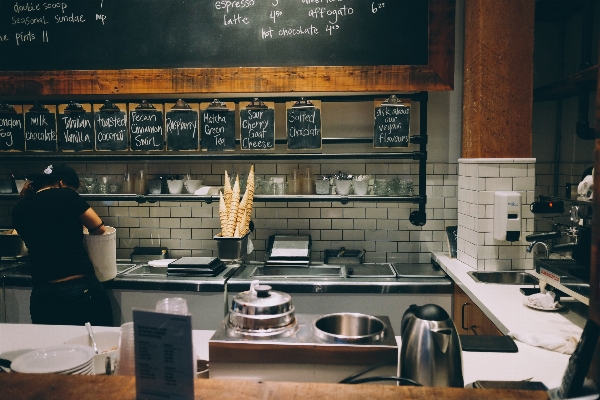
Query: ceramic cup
point(343, 186)
point(360, 187)
point(191, 185)
point(175, 186)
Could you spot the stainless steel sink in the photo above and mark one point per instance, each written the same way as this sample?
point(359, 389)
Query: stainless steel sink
point(503, 277)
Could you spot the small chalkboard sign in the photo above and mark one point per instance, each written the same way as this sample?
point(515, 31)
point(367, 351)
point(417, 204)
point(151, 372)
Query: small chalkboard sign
point(146, 127)
point(12, 128)
point(392, 123)
point(111, 127)
point(304, 125)
point(257, 126)
point(181, 126)
point(217, 123)
point(75, 127)
point(40, 128)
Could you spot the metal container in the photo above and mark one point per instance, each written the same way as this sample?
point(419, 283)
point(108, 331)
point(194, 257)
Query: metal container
point(231, 249)
point(349, 328)
point(344, 257)
point(261, 311)
point(300, 357)
point(146, 254)
point(11, 245)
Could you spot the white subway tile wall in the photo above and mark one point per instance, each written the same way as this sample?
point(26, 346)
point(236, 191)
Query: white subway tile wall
point(478, 180)
point(457, 194)
point(187, 228)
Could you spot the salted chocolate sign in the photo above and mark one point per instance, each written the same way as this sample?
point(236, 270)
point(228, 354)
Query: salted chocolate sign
point(304, 128)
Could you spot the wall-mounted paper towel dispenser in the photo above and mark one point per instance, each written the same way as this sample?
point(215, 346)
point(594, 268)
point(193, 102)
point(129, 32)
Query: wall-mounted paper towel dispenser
point(507, 216)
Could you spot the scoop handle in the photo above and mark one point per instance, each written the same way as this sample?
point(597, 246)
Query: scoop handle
point(88, 326)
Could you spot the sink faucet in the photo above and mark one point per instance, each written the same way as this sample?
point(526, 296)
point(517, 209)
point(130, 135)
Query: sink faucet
point(532, 245)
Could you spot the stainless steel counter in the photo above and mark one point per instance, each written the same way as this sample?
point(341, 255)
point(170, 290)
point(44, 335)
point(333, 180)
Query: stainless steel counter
point(337, 279)
point(319, 278)
point(134, 277)
point(336, 289)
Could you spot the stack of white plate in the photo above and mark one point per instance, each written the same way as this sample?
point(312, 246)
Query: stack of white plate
point(64, 359)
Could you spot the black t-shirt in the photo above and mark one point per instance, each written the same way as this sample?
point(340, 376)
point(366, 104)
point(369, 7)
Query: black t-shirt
point(48, 222)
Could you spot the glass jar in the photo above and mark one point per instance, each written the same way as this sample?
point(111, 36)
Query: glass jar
point(103, 185)
point(308, 182)
point(322, 184)
point(380, 187)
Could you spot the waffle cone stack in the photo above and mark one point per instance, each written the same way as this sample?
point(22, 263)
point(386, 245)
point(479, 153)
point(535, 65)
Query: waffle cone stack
point(235, 214)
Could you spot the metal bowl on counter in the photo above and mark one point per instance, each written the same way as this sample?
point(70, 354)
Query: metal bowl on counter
point(349, 328)
point(11, 244)
point(261, 311)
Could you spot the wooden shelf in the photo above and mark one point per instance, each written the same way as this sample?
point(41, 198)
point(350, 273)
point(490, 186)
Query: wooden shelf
point(582, 82)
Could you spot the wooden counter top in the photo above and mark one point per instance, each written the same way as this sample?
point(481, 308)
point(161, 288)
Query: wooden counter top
point(67, 387)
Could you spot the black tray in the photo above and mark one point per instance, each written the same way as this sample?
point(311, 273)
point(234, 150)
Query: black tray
point(207, 263)
point(195, 271)
point(486, 343)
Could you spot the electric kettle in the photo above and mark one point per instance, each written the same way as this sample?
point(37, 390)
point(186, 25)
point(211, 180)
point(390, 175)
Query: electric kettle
point(431, 353)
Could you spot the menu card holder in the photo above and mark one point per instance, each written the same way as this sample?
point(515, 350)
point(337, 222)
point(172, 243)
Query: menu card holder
point(257, 126)
point(164, 356)
point(110, 124)
point(12, 133)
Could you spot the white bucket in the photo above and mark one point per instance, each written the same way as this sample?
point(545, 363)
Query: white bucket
point(102, 250)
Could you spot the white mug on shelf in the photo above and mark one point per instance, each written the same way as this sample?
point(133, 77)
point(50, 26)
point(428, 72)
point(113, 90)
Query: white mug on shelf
point(175, 186)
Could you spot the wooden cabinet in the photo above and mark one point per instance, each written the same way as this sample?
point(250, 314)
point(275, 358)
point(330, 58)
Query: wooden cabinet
point(469, 319)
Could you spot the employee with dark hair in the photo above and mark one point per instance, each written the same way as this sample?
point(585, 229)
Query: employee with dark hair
point(50, 217)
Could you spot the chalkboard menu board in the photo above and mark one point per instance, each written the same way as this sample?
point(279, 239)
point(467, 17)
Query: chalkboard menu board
point(40, 128)
point(304, 125)
point(111, 127)
point(181, 125)
point(75, 127)
point(146, 126)
point(217, 124)
point(392, 124)
point(117, 34)
point(257, 126)
point(12, 128)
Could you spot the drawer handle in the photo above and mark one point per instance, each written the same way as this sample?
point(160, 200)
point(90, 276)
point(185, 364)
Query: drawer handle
point(462, 321)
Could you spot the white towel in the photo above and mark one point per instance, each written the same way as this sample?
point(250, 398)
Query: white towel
point(565, 344)
point(585, 188)
point(544, 300)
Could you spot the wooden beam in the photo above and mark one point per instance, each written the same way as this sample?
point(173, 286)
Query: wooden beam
point(498, 79)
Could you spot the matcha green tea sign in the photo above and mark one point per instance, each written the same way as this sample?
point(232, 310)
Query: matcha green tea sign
point(392, 123)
